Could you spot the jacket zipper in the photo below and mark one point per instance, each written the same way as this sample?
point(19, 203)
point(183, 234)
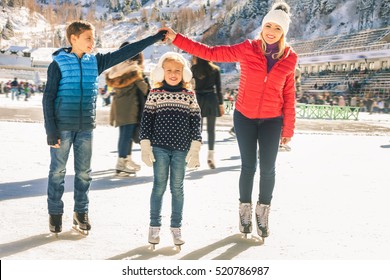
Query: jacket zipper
point(81, 95)
point(265, 82)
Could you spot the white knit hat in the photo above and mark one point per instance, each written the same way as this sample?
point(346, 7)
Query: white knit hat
point(278, 16)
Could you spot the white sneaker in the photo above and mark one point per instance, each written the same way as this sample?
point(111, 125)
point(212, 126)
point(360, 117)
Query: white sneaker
point(177, 238)
point(154, 235)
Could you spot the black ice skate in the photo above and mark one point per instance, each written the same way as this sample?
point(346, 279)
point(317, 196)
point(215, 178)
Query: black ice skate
point(55, 223)
point(81, 223)
point(245, 218)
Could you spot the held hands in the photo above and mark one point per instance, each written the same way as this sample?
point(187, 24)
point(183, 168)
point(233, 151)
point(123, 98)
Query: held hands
point(147, 153)
point(170, 34)
point(192, 157)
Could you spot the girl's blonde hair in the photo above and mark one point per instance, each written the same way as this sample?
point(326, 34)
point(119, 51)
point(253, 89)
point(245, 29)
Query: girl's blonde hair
point(183, 84)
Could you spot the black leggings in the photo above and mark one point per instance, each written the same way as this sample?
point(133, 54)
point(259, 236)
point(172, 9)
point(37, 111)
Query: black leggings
point(253, 133)
point(211, 120)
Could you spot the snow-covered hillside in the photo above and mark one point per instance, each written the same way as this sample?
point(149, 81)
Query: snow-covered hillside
point(235, 20)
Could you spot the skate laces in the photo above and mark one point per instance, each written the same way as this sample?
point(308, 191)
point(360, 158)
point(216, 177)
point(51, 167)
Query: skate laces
point(176, 233)
point(245, 214)
point(263, 216)
point(82, 218)
point(154, 232)
point(132, 163)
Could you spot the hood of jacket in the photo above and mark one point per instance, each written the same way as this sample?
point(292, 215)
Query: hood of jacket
point(123, 74)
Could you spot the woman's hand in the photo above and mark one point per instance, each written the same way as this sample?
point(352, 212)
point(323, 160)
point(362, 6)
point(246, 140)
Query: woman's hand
point(170, 33)
point(221, 110)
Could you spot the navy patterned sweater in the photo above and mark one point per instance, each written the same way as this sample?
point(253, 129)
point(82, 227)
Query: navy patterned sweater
point(171, 118)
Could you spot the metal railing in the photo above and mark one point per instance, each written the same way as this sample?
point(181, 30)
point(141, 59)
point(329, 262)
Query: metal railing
point(309, 111)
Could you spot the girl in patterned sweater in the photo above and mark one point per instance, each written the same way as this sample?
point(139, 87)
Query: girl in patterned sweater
point(170, 138)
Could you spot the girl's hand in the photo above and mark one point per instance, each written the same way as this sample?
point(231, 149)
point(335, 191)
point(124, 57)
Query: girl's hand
point(170, 33)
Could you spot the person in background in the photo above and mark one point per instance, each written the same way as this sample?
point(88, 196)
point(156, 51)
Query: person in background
point(129, 93)
point(170, 139)
point(15, 89)
point(264, 113)
point(207, 78)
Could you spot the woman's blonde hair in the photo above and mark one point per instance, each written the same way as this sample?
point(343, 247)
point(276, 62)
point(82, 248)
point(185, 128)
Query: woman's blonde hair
point(281, 46)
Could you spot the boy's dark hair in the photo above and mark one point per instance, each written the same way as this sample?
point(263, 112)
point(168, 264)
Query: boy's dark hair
point(78, 27)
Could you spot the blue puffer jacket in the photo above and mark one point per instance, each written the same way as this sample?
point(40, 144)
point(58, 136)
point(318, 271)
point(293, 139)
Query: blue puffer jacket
point(75, 105)
point(69, 101)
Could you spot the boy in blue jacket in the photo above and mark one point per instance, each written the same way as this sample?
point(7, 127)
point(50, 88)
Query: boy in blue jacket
point(69, 108)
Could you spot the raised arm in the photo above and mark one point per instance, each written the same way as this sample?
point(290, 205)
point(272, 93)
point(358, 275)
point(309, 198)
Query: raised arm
point(222, 53)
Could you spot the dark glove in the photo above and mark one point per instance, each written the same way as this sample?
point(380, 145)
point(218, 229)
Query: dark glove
point(161, 34)
point(52, 139)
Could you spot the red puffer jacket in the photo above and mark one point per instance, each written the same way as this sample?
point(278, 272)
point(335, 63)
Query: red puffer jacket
point(260, 94)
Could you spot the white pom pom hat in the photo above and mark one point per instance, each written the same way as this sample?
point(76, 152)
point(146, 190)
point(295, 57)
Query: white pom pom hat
point(157, 73)
point(279, 17)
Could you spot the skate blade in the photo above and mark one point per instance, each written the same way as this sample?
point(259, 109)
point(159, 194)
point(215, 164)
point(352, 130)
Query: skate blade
point(153, 246)
point(177, 247)
point(284, 148)
point(55, 234)
point(246, 235)
point(79, 230)
point(119, 173)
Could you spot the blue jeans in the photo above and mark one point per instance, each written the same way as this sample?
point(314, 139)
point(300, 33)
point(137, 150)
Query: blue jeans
point(170, 163)
point(82, 150)
point(251, 133)
point(14, 93)
point(125, 137)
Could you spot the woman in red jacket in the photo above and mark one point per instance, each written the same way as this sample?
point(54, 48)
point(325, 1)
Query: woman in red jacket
point(264, 113)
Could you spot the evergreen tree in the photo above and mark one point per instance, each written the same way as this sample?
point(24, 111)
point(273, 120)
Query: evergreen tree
point(126, 9)
point(8, 30)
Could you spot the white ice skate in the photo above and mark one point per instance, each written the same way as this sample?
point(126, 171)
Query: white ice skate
point(123, 168)
point(245, 218)
point(262, 215)
point(177, 238)
point(154, 236)
point(132, 165)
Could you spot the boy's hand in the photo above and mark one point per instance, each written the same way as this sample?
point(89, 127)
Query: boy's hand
point(163, 34)
point(55, 145)
point(170, 33)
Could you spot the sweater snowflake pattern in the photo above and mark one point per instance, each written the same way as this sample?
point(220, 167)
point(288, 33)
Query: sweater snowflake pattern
point(171, 118)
